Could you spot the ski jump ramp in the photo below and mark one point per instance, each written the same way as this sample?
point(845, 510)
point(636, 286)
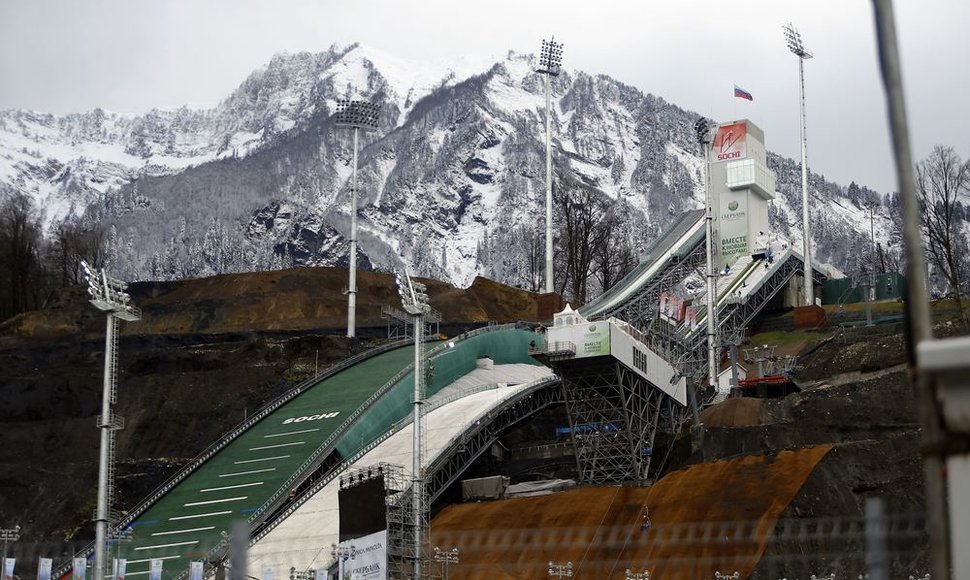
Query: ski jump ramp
point(304, 537)
point(252, 472)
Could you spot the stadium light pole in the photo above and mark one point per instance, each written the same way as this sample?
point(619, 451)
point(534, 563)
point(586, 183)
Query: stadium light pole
point(358, 116)
point(704, 128)
point(342, 554)
point(797, 47)
point(415, 302)
point(107, 294)
point(560, 570)
point(550, 64)
point(125, 535)
point(9, 535)
point(446, 557)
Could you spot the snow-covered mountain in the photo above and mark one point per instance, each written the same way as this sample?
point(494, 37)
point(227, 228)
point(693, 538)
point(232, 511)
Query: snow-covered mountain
point(452, 181)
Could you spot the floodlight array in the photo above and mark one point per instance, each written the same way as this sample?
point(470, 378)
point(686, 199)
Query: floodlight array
point(357, 114)
point(10, 534)
point(558, 570)
point(343, 552)
point(550, 57)
point(703, 129)
point(795, 43)
point(414, 297)
point(109, 294)
point(446, 556)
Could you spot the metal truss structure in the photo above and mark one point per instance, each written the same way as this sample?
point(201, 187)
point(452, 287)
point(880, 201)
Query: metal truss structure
point(469, 445)
point(400, 522)
point(644, 306)
point(686, 351)
point(458, 454)
point(614, 415)
point(400, 325)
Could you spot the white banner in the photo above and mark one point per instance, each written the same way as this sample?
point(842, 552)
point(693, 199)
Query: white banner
point(44, 568)
point(155, 569)
point(80, 568)
point(370, 557)
point(195, 570)
point(732, 227)
point(8, 564)
point(120, 568)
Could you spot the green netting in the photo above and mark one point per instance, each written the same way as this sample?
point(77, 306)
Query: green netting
point(242, 476)
point(889, 286)
point(840, 291)
point(505, 346)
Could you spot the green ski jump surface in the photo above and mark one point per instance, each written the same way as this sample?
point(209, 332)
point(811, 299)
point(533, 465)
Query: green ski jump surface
point(189, 520)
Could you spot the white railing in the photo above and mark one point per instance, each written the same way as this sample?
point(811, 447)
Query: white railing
point(554, 347)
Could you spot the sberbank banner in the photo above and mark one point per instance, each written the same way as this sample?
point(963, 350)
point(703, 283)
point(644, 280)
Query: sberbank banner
point(732, 227)
point(592, 339)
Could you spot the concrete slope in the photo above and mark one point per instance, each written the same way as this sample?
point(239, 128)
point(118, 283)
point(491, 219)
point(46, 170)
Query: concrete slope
point(599, 529)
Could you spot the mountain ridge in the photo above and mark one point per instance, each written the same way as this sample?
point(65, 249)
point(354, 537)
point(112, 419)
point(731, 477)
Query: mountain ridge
point(451, 182)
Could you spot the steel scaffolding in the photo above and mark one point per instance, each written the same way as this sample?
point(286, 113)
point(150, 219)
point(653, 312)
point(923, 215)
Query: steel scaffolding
point(401, 519)
point(400, 325)
point(614, 416)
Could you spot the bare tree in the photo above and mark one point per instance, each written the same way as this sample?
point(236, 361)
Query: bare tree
point(535, 256)
point(580, 211)
point(73, 242)
point(941, 179)
point(20, 247)
point(614, 258)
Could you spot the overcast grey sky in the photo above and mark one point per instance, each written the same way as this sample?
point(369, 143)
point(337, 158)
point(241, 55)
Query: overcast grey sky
point(131, 55)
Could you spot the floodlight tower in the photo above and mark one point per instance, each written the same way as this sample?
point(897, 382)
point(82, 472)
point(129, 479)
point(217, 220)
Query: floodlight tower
point(550, 63)
point(342, 554)
point(9, 535)
point(107, 294)
point(704, 129)
point(359, 116)
point(446, 558)
point(560, 570)
point(415, 302)
point(797, 47)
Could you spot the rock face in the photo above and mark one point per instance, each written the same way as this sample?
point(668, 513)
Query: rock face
point(451, 182)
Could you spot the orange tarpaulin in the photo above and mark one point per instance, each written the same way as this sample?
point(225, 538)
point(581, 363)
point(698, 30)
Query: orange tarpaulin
point(707, 517)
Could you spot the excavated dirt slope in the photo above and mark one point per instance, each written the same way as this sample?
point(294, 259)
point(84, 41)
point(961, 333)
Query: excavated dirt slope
point(297, 299)
point(207, 353)
point(599, 529)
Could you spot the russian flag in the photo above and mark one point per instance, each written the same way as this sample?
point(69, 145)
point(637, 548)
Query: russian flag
point(741, 93)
